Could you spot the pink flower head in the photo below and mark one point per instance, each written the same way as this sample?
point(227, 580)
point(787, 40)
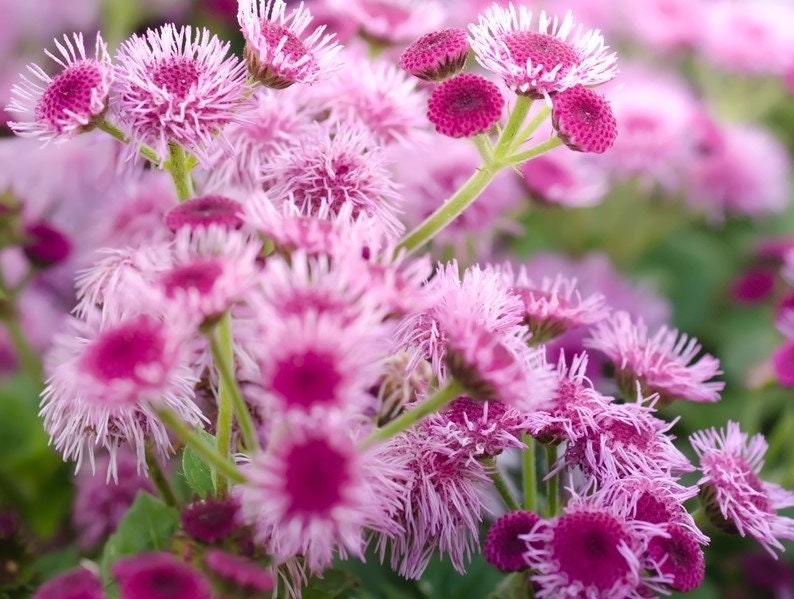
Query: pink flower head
point(555, 305)
point(568, 179)
point(313, 494)
point(392, 21)
point(276, 54)
point(663, 363)
point(158, 576)
point(437, 55)
point(504, 546)
point(441, 504)
point(557, 56)
point(103, 377)
point(666, 25)
point(177, 85)
point(335, 166)
point(626, 439)
point(204, 212)
point(783, 363)
point(210, 520)
point(583, 119)
point(71, 102)
point(678, 558)
point(80, 583)
point(241, 574)
point(735, 498)
point(754, 285)
point(592, 550)
point(45, 245)
point(465, 105)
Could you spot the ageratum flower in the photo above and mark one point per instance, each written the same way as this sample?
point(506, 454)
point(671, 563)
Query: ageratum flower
point(158, 575)
point(465, 105)
point(437, 55)
point(504, 546)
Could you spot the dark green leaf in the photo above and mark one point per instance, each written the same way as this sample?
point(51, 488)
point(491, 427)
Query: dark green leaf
point(334, 584)
point(198, 474)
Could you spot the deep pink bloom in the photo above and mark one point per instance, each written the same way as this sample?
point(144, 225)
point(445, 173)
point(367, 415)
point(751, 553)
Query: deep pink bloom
point(735, 498)
point(313, 494)
point(436, 56)
point(45, 245)
point(204, 212)
point(504, 548)
point(79, 583)
point(276, 50)
point(679, 558)
point(465, 105)
point(176, 85)
point(565, 178)
point(557, 56)
point(210, 520)
point(783, 363)
point(69, 103)
point(158, 576)
point(662, 363)
point(242, 574)
point(583, 119)
point(753, 286)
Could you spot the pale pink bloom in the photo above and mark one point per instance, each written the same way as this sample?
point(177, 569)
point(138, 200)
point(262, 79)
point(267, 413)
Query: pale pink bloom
point(335, 165)
point(440, 503)
point(746, 172)
point(437, 55)
point(540, 59)
point(313, 494)
point(735, 498)
point(277, 51)
point(753, 38)
point(667, 25)
point(71, 102)
point(592, 550)
point(205, 211)
point(176, 85)
point(566, 178)
point(23, 23)
point(392, 21)
point(105, 379)
point(663, 363)
point(465, 105)
point(378, 95)
point(553, 305)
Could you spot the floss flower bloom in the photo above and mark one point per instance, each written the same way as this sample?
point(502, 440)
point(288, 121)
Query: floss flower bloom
point(158, 575)
point(276, 55)
point(176, 85)
point(79, 583)
point(465, 105)
point(557, 56)
point(72, 101)
point(437, 55)
point(504, 548)
point(736, 499)
point(584, 120)
point(204, 212)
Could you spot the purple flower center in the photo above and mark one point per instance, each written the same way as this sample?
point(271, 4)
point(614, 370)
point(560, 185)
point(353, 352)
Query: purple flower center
point(650, 509)
point(307, 379)
point(200, 275)
point(587, 547)
point(70, 92)
point(273, 33)
point(316, 475)
point(176, 76)
point(120, 352)
point(527, 47)
point(680, 558)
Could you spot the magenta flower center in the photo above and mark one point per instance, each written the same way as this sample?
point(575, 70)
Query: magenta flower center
point(540, 49)
point(70, 92)
point(307, 379)
point(275, 34)
point(650, 509)
point(630, 435)
point(176, 75)
point(200, 275)
point(587, 547)
point(205, 211)
point(316, 475)
point(119, 353)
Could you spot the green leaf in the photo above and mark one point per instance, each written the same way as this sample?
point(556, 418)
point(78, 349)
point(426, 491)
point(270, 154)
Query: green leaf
point(334, 584)
point(199, 475)
point(147, 526)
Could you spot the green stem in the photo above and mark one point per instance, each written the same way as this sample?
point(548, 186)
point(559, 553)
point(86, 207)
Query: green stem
point(501, 484)
point(552, 484)
point(159, 479)
point(484, 147)
point(28, 358)
point(405, 420)
point(539, 149)
point(520, 111)
point(114, 131)
point(206, 451)
point(230, 398)
point(177, 165)
point(450, 210)
point(531, 127)
point(530, 474)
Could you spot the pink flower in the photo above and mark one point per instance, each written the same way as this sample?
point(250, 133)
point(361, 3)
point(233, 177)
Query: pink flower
point(437, 55)
point(557, 56)
point(568, 179)
point(211, 520)
point(313, 494)
point(276, 50)
point(79, 583)
point(158, 576)
point(583, 119)
point(71, 102)
point(678, 558)
point(465, 105)
point(504, 546)
point(783, 363)
point(176, 85)
point(392, 21)
point(666, 25)
point(238, 572)
point(735, 498)
point(205, 211)
point(663, 363)
point(754, 285)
